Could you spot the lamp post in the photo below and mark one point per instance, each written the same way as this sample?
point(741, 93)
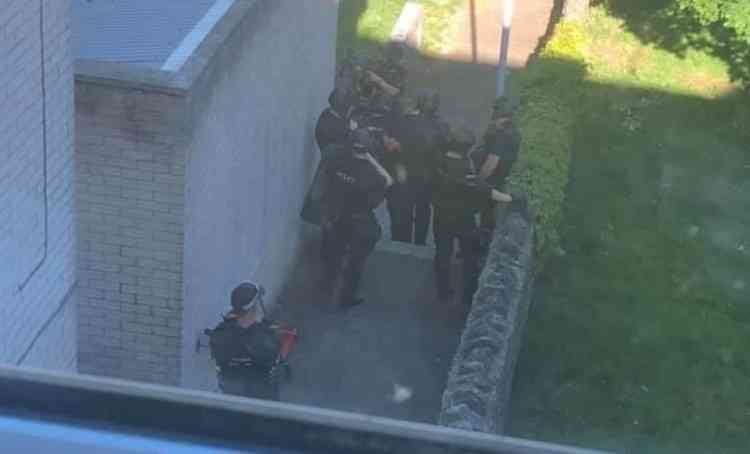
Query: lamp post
point(502, 69)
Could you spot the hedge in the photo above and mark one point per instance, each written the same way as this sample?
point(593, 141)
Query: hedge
point(550, 93)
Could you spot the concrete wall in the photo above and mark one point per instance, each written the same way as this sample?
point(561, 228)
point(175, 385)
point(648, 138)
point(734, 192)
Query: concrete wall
point(252, 155)
point(477, 395)
point(37, 233)
point(130, 156)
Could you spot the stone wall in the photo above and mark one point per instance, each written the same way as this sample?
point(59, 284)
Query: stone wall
point(477, 395)
point(37, 231)
point(252, 155)
point(130, 178)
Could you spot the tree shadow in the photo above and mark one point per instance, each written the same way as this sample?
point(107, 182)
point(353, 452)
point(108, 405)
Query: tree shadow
point(651, 130)
point(663, 24)
point(350, 12)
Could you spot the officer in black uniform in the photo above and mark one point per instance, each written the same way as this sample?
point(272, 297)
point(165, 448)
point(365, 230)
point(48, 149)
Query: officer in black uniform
point(355, 184)
point(495, 158)
point(334, 122)
point(391, 66)
point(331, 132)
point(423, 139)
point(459, 194)
point(245, 347)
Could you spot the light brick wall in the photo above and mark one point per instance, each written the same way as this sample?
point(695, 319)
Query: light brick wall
point(246, 124)
point(37, 258)
point(131, 169)
point(252, 157)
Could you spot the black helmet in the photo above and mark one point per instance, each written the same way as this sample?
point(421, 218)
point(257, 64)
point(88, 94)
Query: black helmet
point(502, 107)
point(244, 295)
point(461, 138)
point(340, 99)
point(394, 51)
point(362, 140)
point(428, 101)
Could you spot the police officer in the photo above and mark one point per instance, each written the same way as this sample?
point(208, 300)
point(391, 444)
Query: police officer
point(334, 123)
point(392, 67)
point(458, 197)
point(495, 159)
point(423, 138)
point(245, 347)
point(354, 186)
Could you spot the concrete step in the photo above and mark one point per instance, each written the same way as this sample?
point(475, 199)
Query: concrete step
point(402, 337)
point(399, 248)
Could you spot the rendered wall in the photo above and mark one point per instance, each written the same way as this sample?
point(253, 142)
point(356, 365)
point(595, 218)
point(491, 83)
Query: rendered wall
point(37, 232)
point(252, 156)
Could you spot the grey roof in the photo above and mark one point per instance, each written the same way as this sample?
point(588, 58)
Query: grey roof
point(139, 32)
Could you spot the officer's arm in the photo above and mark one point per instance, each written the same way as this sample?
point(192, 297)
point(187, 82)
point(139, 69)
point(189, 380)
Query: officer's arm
point(389, 89)
point(489, 166)
point(498, 196)
point(381, 170)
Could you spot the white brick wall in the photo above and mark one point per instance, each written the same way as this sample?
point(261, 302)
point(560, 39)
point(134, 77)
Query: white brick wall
point(130, 184)
point(37, 258)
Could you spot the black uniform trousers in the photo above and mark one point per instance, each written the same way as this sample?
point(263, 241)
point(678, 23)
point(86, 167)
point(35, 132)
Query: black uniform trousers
point(448, 226)
point(409, 208)
point(356, 234)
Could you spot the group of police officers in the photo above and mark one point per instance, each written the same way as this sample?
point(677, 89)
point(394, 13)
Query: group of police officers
point(373, 148)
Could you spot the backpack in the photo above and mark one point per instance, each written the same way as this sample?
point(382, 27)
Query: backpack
point(224, 344)
point(231, 343)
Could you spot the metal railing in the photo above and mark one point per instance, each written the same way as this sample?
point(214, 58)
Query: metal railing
point(117, 408)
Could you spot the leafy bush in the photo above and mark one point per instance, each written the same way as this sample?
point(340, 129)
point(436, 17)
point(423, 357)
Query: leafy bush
point(550, 93)
point(729, 22)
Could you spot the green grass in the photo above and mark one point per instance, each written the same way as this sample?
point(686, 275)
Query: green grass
point(638, 337)
point(365, 25)
point(437, 25)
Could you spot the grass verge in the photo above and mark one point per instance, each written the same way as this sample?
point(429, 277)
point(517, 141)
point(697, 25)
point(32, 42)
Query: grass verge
point(637, 340)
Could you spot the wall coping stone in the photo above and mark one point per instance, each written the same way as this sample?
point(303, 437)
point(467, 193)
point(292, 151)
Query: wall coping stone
point(177, 83)
point(477, 394)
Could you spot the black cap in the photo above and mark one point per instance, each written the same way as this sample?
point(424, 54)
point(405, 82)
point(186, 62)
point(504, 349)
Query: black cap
point(461, 138)
point(428, 101)
point(244, 295)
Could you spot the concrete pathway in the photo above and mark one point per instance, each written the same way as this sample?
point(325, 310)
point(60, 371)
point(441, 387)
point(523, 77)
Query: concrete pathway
point(465, 72)
point(388, 357)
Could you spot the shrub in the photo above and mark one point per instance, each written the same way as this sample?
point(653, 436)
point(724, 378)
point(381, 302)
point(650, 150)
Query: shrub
point(550, 93)
point(729, 22)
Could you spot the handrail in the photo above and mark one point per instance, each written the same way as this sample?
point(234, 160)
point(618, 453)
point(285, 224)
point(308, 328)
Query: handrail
point(145, 408)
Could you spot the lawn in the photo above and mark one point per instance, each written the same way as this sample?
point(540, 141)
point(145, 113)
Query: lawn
point(638, 337)
point(364, 25)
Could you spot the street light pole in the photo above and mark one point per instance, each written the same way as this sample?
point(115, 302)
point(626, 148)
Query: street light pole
point(502, 69)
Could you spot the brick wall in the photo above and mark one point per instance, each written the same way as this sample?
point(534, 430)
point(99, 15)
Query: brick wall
point(130, 158)
point(37, 233)
point(252, 157)
point(239, 118)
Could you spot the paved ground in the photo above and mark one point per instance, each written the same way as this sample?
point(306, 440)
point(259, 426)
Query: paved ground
point(465, 72)
point(401, 337)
